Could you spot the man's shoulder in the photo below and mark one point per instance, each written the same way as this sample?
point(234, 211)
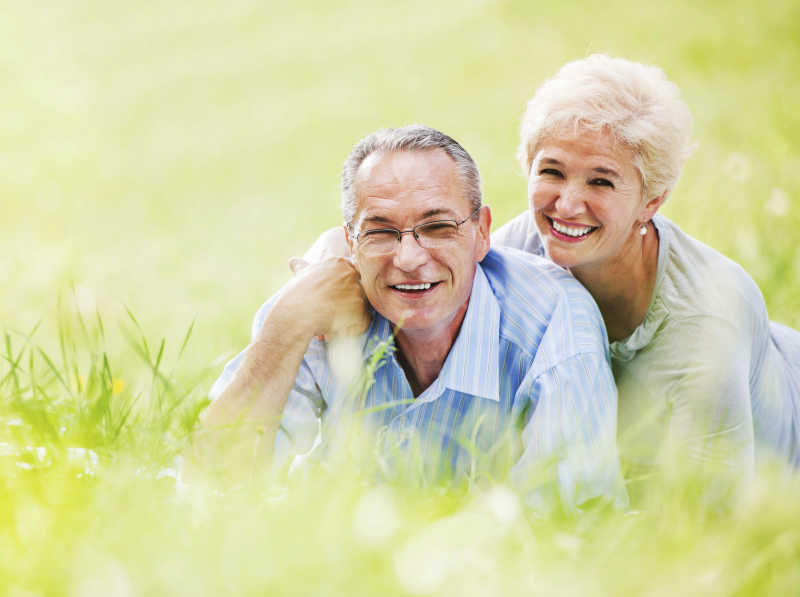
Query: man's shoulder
point(541, 302)
point(520, 276)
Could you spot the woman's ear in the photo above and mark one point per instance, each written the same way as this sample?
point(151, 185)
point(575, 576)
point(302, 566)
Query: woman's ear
point(651, 207)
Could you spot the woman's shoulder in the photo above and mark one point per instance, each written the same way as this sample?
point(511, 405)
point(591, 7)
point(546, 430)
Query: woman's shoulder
point(519, 233)
point(699, 280)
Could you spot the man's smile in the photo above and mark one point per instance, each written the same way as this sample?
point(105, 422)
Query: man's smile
point(414, 288)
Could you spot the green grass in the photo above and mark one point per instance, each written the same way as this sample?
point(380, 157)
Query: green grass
point(91, 506)
point(163, 161)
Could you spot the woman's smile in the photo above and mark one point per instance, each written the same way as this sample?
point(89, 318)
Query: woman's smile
point(569, 232)
point(586, 196)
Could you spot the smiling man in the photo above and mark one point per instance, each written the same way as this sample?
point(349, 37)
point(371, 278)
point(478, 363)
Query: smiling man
point(494, 355)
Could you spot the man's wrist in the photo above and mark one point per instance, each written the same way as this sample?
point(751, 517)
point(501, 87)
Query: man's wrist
point(297, 316)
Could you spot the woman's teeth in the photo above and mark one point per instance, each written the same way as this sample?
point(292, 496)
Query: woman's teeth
point(572, 230)
point(413, 286)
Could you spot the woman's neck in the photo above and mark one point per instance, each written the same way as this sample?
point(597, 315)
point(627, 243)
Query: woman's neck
point(623, 287)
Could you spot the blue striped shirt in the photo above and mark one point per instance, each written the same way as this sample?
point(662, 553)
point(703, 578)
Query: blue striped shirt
point(525, 390)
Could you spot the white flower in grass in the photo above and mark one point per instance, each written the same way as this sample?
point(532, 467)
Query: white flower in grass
point(421, 565)
point(778, 203)
point(503, 504)
point(737, 167)
point(345, 357)
point(375, 518)
point(110, 577)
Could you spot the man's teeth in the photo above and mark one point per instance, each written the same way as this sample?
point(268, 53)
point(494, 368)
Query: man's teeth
point(571, 230)
point(413, 286)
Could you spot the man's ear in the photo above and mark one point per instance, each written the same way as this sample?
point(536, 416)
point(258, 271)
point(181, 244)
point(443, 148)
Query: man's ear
point(348, 238)
point(484, 232)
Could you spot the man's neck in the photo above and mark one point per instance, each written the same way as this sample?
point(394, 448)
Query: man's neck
point(422, 353)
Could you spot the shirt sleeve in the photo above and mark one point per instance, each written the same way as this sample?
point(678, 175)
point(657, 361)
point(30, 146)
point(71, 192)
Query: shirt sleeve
point(569, 440)
point(708, 401)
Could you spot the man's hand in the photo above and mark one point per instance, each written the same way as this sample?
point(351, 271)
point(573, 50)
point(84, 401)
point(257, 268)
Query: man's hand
point(327, 296)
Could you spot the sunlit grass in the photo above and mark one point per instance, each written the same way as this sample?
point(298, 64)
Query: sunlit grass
point(92, 504)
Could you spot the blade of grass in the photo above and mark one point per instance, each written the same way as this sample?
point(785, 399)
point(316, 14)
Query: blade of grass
point(55, 372)
point(14, 362)
point(100, 325)
point(186, 339)
point(79, 314)
point(139, 328)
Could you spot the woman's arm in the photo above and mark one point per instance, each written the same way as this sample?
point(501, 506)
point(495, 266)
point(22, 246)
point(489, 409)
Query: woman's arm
point(685, 399)
point(331, 243)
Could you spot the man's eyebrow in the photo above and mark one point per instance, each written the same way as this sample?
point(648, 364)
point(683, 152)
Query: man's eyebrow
point(439, 211)
point(376, 220)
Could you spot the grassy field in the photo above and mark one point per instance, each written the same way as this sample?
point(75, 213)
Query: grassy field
point(160, 164)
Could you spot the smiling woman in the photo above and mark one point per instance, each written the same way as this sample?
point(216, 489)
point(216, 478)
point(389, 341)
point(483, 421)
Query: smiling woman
point(586, 197)
point(701, 371)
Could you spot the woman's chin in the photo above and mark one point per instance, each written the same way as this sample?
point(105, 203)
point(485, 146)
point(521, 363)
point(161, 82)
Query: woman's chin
point(566, 257)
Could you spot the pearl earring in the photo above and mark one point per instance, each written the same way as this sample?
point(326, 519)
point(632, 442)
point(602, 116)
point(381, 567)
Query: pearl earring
point(643, 230)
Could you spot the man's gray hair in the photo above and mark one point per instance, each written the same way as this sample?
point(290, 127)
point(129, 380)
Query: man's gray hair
point(415, 137)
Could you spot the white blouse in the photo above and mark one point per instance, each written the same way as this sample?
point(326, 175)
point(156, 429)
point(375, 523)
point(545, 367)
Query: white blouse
point(706, 370)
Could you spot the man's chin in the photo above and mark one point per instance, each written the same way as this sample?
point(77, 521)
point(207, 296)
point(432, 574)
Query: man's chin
point(411, 319)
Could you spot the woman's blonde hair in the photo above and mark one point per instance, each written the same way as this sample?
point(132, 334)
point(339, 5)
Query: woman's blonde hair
point(635, 102)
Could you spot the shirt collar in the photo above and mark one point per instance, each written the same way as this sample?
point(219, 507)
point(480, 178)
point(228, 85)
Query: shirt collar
point(471, 365)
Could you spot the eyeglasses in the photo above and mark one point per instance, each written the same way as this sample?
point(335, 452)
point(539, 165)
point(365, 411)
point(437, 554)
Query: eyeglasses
point(430, 235)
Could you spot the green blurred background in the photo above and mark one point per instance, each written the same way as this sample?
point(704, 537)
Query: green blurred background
point(170, 156)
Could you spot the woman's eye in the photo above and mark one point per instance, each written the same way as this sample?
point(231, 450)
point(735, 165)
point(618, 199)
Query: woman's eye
point(549, 172)
point(601, 182)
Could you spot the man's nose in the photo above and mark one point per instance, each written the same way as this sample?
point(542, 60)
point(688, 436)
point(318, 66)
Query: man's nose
point(409, 254)
point(570, 202)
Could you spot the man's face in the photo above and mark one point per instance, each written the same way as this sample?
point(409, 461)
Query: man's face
point(424, 290)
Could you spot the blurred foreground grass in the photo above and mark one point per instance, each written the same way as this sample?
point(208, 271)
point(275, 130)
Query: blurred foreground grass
point(92, 505)
point(171, 157)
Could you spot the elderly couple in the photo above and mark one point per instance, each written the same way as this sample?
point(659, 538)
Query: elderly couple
point(513, 340)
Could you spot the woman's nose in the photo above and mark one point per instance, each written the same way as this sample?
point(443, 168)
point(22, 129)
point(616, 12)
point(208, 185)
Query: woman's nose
point(570, 201)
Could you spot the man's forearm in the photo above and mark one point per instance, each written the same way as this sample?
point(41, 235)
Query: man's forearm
point(257, 393)
point(239, 426)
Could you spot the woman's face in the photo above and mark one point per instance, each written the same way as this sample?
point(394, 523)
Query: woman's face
point(586, 197)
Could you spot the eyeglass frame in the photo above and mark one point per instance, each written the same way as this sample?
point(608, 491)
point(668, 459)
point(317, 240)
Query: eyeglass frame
point(399, 233)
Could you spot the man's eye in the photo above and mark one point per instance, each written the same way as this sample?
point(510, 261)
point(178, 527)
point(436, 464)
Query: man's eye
point(601, 182)
point(438, 229)
point(379, 235)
